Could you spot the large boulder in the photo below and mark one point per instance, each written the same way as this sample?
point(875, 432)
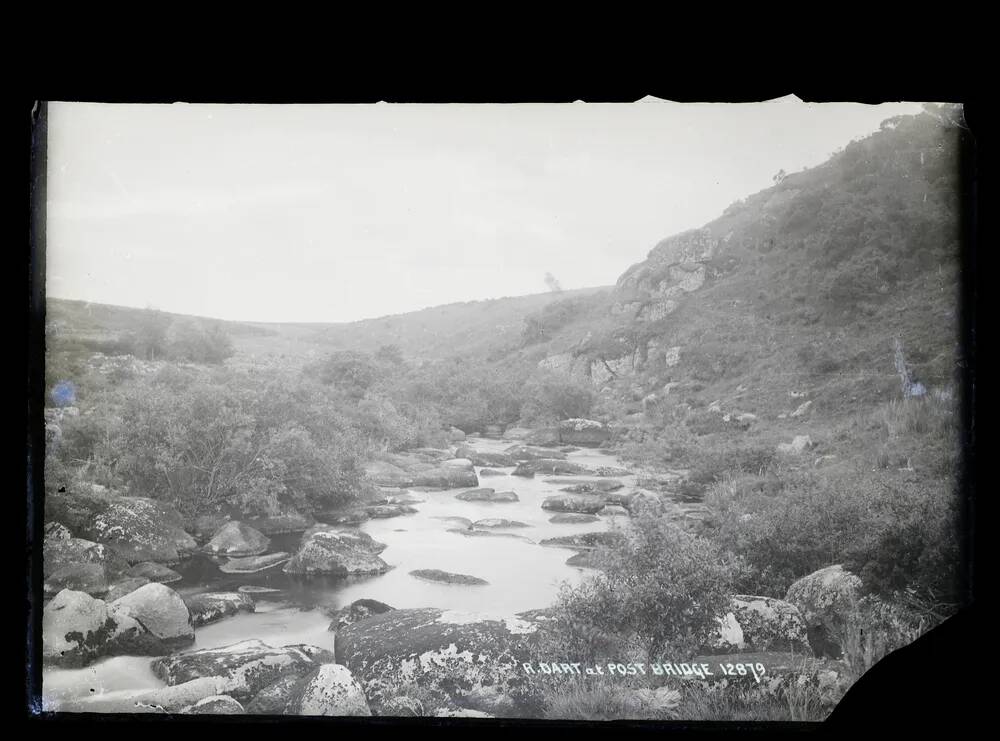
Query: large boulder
point(473, 659)
point(404, 471)
point(545, 436)
point(329, 690)
point(237, 539)
point(142, 529)
point(530, 453)
point(247, 667)
point(161, 611)
point(80, 565)
point(337, 553)
point(125, 586)
point(78, 629)
point(825, 598)
point(580, 503)
point(756, 624)
point(583, 432)
point(357, 610)
point(209, 607)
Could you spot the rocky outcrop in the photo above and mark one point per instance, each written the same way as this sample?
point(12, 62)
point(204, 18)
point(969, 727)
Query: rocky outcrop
point(446, 577)
point(210, 607)
point(473, 659)
point(337, 553)
point(161, 611)
point(329, 690)
point(757, 624)
point(825, 598)
point(237, 539)
point(142, 529)
point(586, 432)
point(246, 667)
point(486, 495)
point(357, 610)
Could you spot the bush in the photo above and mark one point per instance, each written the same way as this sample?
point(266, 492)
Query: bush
point(662, 590)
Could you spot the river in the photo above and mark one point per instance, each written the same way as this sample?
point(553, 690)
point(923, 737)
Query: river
point(522, 575)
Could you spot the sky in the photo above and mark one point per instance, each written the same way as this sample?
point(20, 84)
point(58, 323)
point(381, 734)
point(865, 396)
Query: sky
point(333, 213)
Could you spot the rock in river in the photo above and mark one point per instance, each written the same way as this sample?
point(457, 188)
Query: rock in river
point(550, 466)
point(237, 539)
point(580, 503)
point(212, 606)
point(78, 629)
point(381, 511)
point(481, 458)
point(594, 486)
point(336, 553)
point(254, 564)
point(287, 522)
point(532, 453)
point(445, 577)
point(572, 518)
point(161, 611)
point(583, 432)
point(486, 495)
point(586, 541)
point(357, 610)
point(473, 659)
point(154, 572)
point(497, 522)
point(486, 472)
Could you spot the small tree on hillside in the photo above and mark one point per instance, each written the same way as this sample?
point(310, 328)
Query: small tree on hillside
point(150, 336)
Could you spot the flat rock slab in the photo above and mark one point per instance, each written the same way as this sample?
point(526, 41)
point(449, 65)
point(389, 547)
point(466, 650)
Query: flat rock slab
point(382, 511)
point(531, 453)
point(462, 522)
point(487, 495)
point(486, 472)
point(445, 577)
point(256, 591)
point(551, 466)
point(592, 486)
point(473, 533)
point(254, 564)
point(499, 522)
point(586, 541)
point(579, 503)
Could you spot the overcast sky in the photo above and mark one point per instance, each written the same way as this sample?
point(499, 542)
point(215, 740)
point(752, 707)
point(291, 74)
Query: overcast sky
point(336, 213)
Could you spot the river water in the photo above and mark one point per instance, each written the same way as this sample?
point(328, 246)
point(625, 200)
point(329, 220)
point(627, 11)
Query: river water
point(522, 575)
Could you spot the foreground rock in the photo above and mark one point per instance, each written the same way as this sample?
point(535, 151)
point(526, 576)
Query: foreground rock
point(330, 690)
point(161, 611)
point(825, 598)
point(161, 700)
point(474, 660)
point(580, 504)
point(587, 432)
point(254, 564)
point(761, 624)
point(215, 705)
point(247, 667)
point(212, 606)
point(237, 539)
point(445, 577)
point(486, 495)
point(337, 553)
point(142, 529)
point(357, 610)
point(77, 629)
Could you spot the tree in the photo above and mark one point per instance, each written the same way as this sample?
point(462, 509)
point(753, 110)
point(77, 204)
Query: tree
point(150, 337)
